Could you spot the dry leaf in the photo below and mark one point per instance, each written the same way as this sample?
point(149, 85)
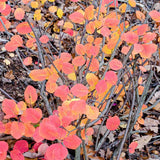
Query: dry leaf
point(142, 141)
point(151, 124)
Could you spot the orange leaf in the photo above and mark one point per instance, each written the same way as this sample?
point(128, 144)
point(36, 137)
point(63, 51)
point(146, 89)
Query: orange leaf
point(38, 75)
point(26, 1)
point(148, 50)
point(90, 27)
point(115, 64)
point(29, 130)
point(72, 142)
point(111, 77)
point(44, 39)
point(132, 3)
point(51, 84)
point(89, 13)
point(140, 90)
point(36, 136)
point(92, 79)
point(94, 66)
point(6, 23)
point(9, 107)
point(101, 86)
point(149, 36)
point(27, 61)
point(78, 106)
point(132, 147)
point(113, 123)
point(2, 6)
point(23, 28)
point(30, 95)
point(78, 61)
point(140, 15)
point(123, 7)
point(31, 115)
point(79, 90)
point(17, 129)
point(92, 112)
point(56, 152)
point(19, 13)
point(111, 22)
point(76, 17)
point(155, 15)
point(80, 49)
point(2, 127)
point(93, 50)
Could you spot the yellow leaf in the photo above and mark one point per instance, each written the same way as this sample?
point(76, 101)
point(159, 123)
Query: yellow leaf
point(53, 9)
point(132, 3)
point(72, 76)
point(34, 4)
point(59, 13)
point(123, 7)
point(37, 15)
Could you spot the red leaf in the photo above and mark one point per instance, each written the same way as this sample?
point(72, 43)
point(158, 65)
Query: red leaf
point(30, 95)
point(76, 17)
point(65, 57)
point(78, 61)
point(10, 47)
point(79, 90)
point(130, 37)
point(27, 61)
point(67, 68)
point(155, 15)
point(111, 77)
point(21, 145)
point(44, 39)
point(19, 13)
point(72, 142)
point(6, 11)
point(23, 28)
point(6, 23)
point(101, 86)
point(132, 147)
point(111, 22)
point(31, 115)
point(56, 152)
point(62, 92)
point(3, 150)
point(36, 136)
point(16, 155)
point(113, 123)
point(105, 31)
point(115, 64)
point(149, 37)
point(3, 146)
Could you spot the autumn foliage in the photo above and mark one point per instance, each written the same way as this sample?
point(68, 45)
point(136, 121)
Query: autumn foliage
point(81, 86)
